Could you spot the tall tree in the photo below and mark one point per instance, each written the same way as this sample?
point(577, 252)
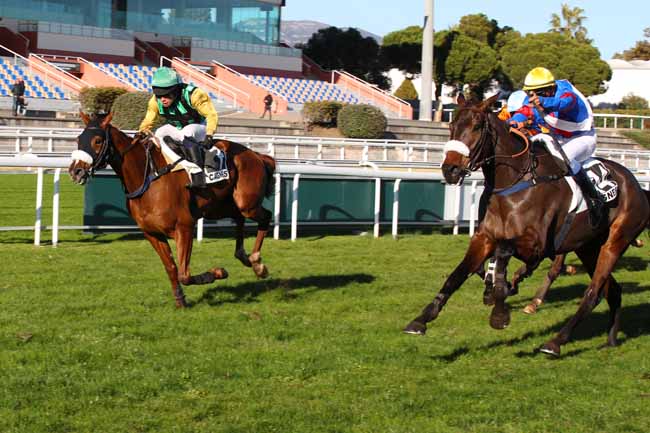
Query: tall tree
point(333, 48)
point(402, 49)
point(570, 23)
point(640, 51)
point(580, 62)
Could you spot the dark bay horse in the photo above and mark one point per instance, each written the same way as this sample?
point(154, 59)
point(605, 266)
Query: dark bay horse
point(164, 208)
point(526, 224)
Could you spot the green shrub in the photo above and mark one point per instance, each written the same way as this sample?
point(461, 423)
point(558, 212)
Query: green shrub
point(406, 91)
point(322, 113)
point(361, 121)
point(99, 99)
point(129, 110)
point(633, 102)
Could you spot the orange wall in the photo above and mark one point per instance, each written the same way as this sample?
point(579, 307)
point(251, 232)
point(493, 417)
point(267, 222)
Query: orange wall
point(96, 77)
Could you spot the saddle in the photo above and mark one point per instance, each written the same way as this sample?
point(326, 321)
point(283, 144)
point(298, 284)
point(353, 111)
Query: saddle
point(212, 161)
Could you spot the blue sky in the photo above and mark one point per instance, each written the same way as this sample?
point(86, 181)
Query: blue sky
point(613, 25)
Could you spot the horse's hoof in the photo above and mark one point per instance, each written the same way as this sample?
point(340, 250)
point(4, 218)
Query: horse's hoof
point(260, 270)
point(416, 328)
point(181, 303)
point(530, 309)
point(219, 273)
point(500, 316)
point(551, 348)
point(243, 258)
point(570, 270)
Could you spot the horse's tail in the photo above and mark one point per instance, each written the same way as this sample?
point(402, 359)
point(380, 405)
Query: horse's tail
point(269, 167)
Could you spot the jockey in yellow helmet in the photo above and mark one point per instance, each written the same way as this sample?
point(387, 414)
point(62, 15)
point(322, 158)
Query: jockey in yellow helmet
point(568, 115)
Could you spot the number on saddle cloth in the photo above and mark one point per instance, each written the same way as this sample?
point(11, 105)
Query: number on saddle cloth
point(601, 178)
point(216, 168)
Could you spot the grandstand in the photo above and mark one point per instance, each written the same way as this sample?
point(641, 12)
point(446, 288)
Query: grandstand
point(35, 86)
point(229, 48)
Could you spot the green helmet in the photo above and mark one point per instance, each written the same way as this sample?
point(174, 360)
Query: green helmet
point(164, 81)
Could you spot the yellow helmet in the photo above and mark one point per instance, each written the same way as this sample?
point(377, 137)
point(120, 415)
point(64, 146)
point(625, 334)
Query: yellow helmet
point(538, 78)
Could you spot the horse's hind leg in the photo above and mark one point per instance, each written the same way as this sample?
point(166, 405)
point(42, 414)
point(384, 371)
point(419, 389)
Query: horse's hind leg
point(184, 239)
point(263, 219)
point(604, 260)
point(551, 276)
point(161, 246)
point(240, 251)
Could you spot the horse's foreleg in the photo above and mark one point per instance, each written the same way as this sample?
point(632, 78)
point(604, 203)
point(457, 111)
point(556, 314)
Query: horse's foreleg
point(263, 219)
point(184, 240)
point(161, 246)
point(500, 316)
point(604, 260)
point(240, 251)
point(480, 248)
point(551, 276)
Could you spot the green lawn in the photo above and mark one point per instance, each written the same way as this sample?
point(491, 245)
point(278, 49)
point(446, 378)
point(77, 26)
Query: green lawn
point(90, 341)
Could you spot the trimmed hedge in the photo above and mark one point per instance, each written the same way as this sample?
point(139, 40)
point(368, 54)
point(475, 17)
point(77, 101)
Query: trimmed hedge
point(622, 122)
point(361, 121)
point(322, 113)
point(95, 100)
point(129, 110)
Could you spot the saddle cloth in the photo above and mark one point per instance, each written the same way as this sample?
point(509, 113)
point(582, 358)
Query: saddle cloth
point(215, 168)
point(602, 180)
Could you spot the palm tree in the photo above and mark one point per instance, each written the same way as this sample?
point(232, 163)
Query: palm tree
point(570, 23)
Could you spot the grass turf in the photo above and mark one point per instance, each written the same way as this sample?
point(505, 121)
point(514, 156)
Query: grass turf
point(90, 342)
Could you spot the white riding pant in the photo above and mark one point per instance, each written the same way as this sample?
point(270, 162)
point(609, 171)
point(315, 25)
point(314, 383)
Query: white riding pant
point(194, 130)
point(577, 149)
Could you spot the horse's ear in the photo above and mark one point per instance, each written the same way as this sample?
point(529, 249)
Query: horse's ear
point(106, 120)
point(84, 117)
point(460, 100)
point(489, 102)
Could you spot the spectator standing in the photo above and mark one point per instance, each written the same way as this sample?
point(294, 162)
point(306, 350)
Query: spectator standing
point(18, 93)
point(268, 103)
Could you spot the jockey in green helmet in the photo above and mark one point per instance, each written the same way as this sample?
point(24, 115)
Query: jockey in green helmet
point(189, 115)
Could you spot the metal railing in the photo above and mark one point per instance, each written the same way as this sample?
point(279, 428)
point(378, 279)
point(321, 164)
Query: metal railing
point(333, 151)
point(296, 172)
point(626, 121)
point(215, 84)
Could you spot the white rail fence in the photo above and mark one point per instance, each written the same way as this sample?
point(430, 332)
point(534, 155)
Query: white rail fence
point(296, 171)
point(461, 202)
point(337, 151)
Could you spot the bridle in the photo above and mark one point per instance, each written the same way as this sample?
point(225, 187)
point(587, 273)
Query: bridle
point(488, 139)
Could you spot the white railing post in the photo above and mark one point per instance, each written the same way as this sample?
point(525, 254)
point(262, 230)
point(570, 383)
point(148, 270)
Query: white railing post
point(472, 211)
point(55, 208)
point(458, 205)
point(395, 206)
point(17, 147)
point(294, 207)
point(199, 230)
point(276, 206)
point(39, 206)
point(377, 206)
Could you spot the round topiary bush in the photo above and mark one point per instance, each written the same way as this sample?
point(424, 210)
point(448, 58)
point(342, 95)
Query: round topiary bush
point(96, 100)
point(322, 113)
point(361, 121)
point(129, 109)
point(406, 91)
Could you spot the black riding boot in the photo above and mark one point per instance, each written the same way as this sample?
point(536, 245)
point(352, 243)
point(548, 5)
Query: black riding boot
point(594, 201)
point(194, 153)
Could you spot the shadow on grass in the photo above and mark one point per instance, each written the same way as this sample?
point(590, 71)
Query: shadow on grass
point(574, 292)
point(248, 292)
point(634, 324)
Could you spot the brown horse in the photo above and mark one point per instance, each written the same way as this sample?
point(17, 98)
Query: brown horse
point(528, 223)
point(162, 206)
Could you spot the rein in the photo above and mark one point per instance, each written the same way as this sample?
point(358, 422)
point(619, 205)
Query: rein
point(151, 173)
